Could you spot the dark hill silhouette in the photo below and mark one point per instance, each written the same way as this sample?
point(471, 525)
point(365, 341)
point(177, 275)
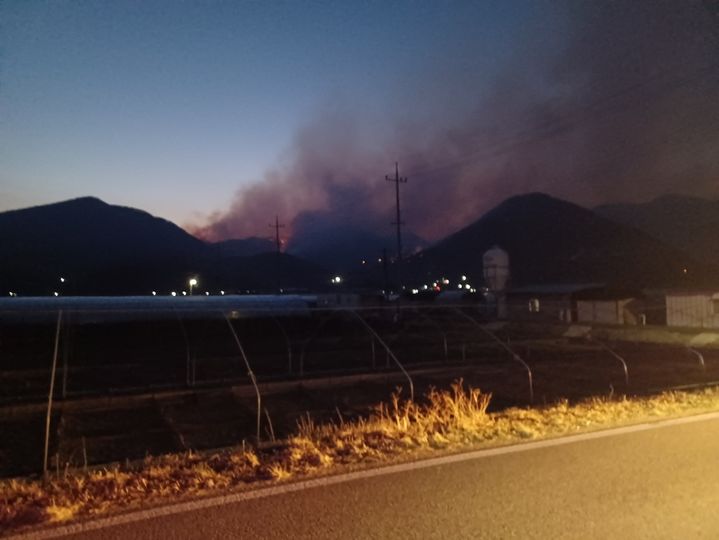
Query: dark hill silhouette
point(260, 273)
point(104, 249)
point(550, 241)
point(342, 249)
point(100, 248)
point(686, 223)
point(89, 227)
point(243, 247)
point(95, 246)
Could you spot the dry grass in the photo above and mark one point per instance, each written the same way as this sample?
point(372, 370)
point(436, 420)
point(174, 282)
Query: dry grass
point(455, 419)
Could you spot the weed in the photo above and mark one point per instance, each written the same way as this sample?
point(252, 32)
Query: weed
point(453, 419)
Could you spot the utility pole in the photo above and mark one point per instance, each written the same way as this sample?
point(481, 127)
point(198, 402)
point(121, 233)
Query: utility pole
point(277, 226)
point(397, 181)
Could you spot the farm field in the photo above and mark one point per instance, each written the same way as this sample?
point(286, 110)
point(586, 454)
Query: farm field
point(125, 388)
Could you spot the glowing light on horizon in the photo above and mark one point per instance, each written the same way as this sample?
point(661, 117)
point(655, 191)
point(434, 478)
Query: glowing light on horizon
point(192, 282)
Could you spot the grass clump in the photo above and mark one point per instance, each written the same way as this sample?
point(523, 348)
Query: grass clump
point(82, 493)
point(453, 419)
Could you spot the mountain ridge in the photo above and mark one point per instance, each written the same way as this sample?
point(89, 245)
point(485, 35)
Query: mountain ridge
point(99, 248)
point(551, 240)
point(102, 248)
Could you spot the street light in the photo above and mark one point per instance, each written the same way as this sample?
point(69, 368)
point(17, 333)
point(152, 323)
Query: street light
point(192, 283)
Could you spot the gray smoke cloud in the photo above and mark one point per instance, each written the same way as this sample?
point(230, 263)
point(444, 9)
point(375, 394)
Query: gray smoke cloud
point(620, 106)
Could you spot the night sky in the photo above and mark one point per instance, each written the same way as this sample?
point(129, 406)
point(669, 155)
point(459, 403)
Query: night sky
point(219, 115)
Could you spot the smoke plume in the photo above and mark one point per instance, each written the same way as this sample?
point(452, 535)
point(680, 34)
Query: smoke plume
point(620, 107)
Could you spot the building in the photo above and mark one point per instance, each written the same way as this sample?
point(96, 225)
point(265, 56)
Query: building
point(696, 309)
point(547, 303)
point(610, 307)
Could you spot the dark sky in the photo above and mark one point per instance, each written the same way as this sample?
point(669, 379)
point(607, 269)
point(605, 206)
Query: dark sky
point(219, 115)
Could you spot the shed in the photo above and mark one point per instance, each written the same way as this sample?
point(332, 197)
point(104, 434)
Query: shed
point(606, 306)
point(697, 309)
point(547, 303)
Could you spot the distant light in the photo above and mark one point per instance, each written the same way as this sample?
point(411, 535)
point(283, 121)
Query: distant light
point(184, 293)
point(173, 293)
point(364, 262)
point(445, 281)
point(686, 270)
point(154, 293)
point(222, 293)
point(424, 287)
point(192, 282)
point(379, 260)
point(56, 293)
point(459, 285)
point(62, 280)
point(473, 290)
point(13, 293)
point(337, 279)
point(415, 291)
point(467, 286)
point(464, 278)
point(207, 293)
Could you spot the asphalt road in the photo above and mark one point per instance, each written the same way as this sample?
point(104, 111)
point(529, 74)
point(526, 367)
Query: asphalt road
point(657, 483)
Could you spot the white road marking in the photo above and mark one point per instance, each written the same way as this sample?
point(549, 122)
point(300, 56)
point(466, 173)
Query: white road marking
point(179, 508)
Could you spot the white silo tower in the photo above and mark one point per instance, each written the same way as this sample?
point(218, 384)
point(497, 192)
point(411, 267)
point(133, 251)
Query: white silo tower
point(495, 264)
